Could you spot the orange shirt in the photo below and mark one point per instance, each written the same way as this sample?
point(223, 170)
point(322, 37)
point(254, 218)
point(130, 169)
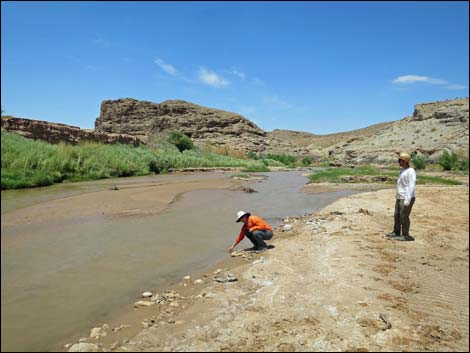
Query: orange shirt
point(254, 223)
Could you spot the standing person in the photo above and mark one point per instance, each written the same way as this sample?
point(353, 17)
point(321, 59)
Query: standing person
point(405, 198)
point(254, 228)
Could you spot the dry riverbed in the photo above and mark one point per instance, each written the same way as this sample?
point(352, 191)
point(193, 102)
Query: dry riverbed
point(332, 283)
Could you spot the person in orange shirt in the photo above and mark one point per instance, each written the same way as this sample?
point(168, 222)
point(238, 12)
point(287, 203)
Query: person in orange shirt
point(254, 228)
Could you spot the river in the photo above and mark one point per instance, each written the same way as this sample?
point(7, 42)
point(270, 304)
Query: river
point(61, 277)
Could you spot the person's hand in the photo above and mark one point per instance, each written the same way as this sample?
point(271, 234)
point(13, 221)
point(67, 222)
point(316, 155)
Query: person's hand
point(230, 250)
point(402, 205)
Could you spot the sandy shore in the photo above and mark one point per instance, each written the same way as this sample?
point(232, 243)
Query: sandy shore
point(124, 200)
point(333, 283)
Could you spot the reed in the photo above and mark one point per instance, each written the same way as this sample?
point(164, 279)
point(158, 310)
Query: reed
point(28, 163)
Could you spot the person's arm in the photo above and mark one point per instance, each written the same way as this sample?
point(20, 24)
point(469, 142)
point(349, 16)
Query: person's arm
point(410, 187)
point(238, 240)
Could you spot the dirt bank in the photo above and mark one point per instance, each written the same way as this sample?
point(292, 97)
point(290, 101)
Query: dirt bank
point(333, 283)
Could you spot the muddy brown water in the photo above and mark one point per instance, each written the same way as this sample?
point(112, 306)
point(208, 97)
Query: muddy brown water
point(60, 278)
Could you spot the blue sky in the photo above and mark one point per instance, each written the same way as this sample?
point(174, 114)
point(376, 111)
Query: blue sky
point(320, 67)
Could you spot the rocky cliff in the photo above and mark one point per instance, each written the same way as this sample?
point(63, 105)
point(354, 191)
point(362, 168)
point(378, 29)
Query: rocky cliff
point(205, 126)
point(54, 132)
point(432, 127)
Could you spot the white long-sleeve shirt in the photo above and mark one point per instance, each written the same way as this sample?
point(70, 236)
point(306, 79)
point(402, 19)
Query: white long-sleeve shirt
point(406, 185)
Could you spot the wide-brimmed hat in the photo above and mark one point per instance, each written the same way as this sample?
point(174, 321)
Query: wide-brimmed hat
point(405, 156)
point(240, 214)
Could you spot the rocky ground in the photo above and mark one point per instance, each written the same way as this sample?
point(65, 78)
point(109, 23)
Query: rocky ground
point(333, 282)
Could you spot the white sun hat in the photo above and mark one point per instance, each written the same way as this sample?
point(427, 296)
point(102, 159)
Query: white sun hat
point(240, 214)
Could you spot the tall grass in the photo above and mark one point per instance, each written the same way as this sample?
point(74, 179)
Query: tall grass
point(333, 175)
point(28, 163)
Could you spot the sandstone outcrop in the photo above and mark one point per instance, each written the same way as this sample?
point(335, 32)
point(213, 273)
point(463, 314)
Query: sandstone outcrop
point(205, 126)
point(55, 132)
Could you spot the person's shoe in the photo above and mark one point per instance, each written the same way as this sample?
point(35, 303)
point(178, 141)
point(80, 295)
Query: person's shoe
point(254, 248)
point(404, 238)
point(263, 249)
point(392, 235)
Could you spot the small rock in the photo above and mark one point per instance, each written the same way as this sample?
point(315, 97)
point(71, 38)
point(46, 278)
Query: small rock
point(174, 304)
point(198, 281)
point(97, 332)
point(142, 303)
point(231, 278)
point(114, 345)
point(84, 347)
point(259, 261)
point(147, 294)
point(216, 272)
point(120, 327)
point(364, 211)
point(237, 253)
point(179, 322)
point(83, 339)
point(187, 278)
point(287, 228)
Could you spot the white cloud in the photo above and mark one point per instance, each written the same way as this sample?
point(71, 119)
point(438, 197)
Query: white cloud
point(456, 87)
point(238, 73)
point(168, 68)
point(409, 79)
point(276, 102)
point(211, 78)
point(415, 78)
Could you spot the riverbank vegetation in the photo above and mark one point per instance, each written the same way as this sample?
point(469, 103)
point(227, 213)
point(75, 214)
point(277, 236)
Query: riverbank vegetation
point(370, 174)
point(281, 160)
point(27, 163)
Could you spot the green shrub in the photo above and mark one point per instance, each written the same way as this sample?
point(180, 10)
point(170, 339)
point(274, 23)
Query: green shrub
point(272, 163)
point(180, 140)
point(252, 155)
point(463, 164)
point(306, 161)
point(283, 158)
point(253, 168)
point(448, 161)
point(419, 162)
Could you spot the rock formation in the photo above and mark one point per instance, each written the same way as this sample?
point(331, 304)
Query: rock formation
point(55, 132)
point(432, 128)
point(205, 126)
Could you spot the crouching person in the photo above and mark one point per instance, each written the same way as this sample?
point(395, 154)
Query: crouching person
point(254, 228)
